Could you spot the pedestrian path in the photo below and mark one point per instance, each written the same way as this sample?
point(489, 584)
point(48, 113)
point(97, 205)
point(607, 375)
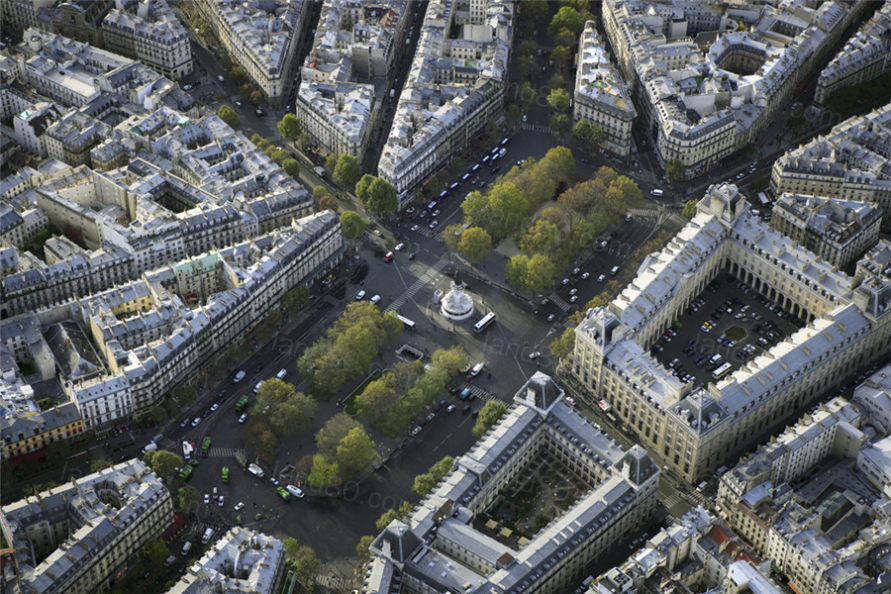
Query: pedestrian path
point(416, 286)
point(480, 393)
point(535, 128)
point(223, 452)
point(671, 500)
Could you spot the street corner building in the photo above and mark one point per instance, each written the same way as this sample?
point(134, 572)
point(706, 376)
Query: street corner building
point(444, 545)
point(79, 537)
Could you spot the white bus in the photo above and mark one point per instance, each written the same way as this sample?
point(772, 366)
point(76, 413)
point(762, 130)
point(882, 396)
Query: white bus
point(408, 323)
point(485, 322)
point(721, 371)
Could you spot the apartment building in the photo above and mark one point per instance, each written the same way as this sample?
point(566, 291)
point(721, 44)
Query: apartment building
point(824, 533)
point(30, 126)
point(152, 333)
point(242, 560)
point(75, 538)
point(71, 138)
point(440, 548)
point(707, 76)
point(261, 36)
point(454, 86)
point(355, 41)
point(873, 396)
point(601, 95)
point(848, 163)
point(17, 228)
point(865, 56)
point(148, 31)
point(694, 553)
point(837, 230)
point(693, 428)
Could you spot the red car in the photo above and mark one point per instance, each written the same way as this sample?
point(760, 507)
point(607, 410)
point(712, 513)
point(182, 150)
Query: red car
point(388, 257)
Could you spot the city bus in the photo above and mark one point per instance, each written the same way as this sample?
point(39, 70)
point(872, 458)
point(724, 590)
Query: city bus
point(205, 445)
point(484, 322)
point(721, 371)
point(408, 323)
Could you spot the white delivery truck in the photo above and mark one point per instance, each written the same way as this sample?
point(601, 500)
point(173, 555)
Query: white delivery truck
point(255, 470)
point(298, 493)
point(207, 534)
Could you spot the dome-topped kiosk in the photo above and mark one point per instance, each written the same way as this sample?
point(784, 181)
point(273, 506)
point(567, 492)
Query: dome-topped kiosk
point(456, 304)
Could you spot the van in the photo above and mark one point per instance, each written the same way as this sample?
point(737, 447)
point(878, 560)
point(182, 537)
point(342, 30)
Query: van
point(656, 192)
point(614, 270)
point(207, 535)
point(186, 548)
point(432, 205)
point(376, 299)
point(298, 493)
point(281, 374)
point(238, 377)
point(150, 447)
point(715, 358)
point(257, 387)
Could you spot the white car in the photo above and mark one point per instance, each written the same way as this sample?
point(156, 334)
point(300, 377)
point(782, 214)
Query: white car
point(415, 227)
point(360, 295)
point(574, 298)
point(573, 291)
point(433, 224)
point(187, 88)
point(207, 498)
point(586, 275)
point(214, 406)
point(242, 418)
point(450, 408)
point(534, 354)
point(196, 421)
point(552, 317)
point(398, 247)
point(239, 506)
point(220, 501)
point(564, 282)
point(601, 278)
point(524, 118)
point(273, 480)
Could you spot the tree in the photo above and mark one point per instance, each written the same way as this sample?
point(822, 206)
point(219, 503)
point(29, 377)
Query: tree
point(513, 112)
point(238, 74)
point(57, 452)
point(556, 81)
point(533, 12)
point(279, 155)
point(559, 124)
point(516, 270)
point(562, 346)
point(307, 566)
point(324, 471)
point(188, 496)
point(291, 167)
point(295, 299)
point(319, 191)
point(256, 139)
point(558, 99)
point(674, 170)
point(331, 162)
point(540, 272)
point(542, 236)
point(451, 361)
point(527, 94)
point(328, 203)
point(100, 464)
point(566, 18)
point(156, 551)
point(561, 55)
point(475, 243)
point(488, 416)
point(380, 196)
point(362, 549)
point(347, 170)
point(442, 468)
point(292, 547)
point(566, 38)
point(162, 462)
point(228, 115)
point(256, 97)
point(289, 127)
point(282, 407)
point(352, 224)
point(385, 519)
point(423, 484)
point(451, 235)
point(355, 453)
point(362, 186)
point(158, 414)
point(491, 129)
point(690, 208)
point(527, 47)
point(333, 431)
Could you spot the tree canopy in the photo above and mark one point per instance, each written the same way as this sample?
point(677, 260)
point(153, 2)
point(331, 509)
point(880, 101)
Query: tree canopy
point(289, 127)
point(228, 115)
point(352, 223)
point(377, 194)
point(674, 170)
point(475, 243)
point(566, 18)
point(162, 462)
point(283, 407)
point(558, 99)
point(488, 416)
point(347, 170)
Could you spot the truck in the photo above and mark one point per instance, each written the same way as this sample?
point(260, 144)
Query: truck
point(255, 470)
point(188, 448)
point(207, 535)
point(186, 472)
point(205, 445)
point(225, 474)
point(242, 403)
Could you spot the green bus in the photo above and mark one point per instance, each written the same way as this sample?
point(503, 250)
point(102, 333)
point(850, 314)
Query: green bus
point(225, 473)
point(205, 445)
point(242, 403)
point(186, 473)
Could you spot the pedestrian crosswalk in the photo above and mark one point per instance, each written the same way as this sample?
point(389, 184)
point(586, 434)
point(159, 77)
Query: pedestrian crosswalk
point(480, 393)
point(223, 452)
point(535, 128)
point(558, 301)
point(671, 500)
point(416, 286)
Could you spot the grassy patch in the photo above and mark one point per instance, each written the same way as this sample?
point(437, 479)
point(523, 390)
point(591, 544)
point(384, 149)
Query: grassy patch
point(736, 333)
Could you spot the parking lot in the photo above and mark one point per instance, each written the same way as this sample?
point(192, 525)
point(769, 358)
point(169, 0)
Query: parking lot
point(728, 324)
